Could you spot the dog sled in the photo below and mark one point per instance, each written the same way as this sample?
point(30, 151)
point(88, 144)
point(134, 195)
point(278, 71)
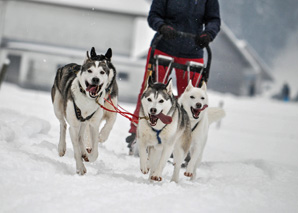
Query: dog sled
point(168, 62)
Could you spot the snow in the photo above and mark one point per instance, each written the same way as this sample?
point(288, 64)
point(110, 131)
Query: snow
point(250, 163)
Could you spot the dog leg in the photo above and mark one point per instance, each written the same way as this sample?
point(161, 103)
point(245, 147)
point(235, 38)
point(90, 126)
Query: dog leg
point(165, 155)
point(62, 142)
point(154, 156)
point(58, 109)
point(105, 131)
point(143, 158)
point(178, 156)
point(81, 141)
point(196, 157)
point(94, 136)
point(194, 175)
point(81, 170)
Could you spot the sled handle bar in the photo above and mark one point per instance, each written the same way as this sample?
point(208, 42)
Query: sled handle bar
point(184, 35)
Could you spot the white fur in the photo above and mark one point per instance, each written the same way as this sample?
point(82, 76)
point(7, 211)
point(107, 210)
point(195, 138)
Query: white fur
point(78, 129)
point(173, 138)
point(192, 97)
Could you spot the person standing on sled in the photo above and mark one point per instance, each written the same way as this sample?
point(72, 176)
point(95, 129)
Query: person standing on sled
point(199, 17)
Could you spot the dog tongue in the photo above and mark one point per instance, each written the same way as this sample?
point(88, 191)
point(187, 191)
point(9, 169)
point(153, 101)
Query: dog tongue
point(91, 88)
point(164, 118)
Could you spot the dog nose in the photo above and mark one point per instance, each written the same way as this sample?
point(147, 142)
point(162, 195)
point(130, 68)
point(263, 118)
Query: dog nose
point(153, 111)
point(198, 105)
point(95, 80)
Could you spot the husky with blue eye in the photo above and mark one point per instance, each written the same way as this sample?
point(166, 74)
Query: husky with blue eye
point(165, 131)
point(76, 92)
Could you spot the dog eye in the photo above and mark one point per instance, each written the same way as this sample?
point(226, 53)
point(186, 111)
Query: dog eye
point(203, 98)
point(192, 97)
point(161, 101)
point(102, 72)
point(90, 71)
point(149, 99)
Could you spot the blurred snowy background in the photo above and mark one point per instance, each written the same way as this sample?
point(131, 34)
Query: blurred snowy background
point(257, 45)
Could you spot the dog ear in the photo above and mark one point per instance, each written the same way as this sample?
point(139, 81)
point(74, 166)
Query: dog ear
point(169, 87)
point(109, 54)
point(189, 86)
point(87, 57)
point(149, 83)
point(93, 53)
point(204, 86)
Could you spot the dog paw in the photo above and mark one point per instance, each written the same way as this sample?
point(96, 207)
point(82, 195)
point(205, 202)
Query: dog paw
point(93, 155)
point(61, 153)
point(82, 170)
point(188, 174)
point(89, 150)
point(61, 150)
point(156, 178)
point(145, 170)
point(85, 158)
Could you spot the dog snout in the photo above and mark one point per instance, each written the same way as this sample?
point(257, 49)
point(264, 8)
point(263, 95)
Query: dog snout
point(198, 105)
point(153, 111)
point(95, 80)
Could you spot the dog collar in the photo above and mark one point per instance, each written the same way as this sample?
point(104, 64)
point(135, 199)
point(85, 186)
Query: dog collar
point(79, 113)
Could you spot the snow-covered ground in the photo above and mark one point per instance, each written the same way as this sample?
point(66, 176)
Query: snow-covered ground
point(250, 163)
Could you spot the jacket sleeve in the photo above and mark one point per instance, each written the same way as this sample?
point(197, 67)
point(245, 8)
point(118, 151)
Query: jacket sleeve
point(157, 14)
point(212, 19)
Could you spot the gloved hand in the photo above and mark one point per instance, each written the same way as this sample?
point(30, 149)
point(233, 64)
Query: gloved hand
point(203, 40)
point(168, 32)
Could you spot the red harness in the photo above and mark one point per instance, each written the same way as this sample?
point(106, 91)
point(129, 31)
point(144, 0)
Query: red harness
point(133, 118)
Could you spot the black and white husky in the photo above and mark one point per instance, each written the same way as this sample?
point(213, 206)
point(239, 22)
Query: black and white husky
point(195, 102)
point(166, 131)
point(76, 92)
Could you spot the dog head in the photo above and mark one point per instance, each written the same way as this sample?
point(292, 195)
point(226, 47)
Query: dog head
point(95, 73)
point(194, 100)
point(157, 101)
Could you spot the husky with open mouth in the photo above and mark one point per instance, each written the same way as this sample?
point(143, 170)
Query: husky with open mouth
point(165, 131)
point(76, 94)
point(195, 102)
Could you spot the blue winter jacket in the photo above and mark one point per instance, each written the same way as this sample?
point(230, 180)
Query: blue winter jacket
point(191, 16)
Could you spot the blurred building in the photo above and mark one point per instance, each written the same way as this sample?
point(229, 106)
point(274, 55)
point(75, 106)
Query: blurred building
point(41, 35)
point(38, 36)
point(236, 68)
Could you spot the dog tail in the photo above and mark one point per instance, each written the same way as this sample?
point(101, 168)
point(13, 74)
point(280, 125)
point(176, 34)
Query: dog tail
point(215, 114)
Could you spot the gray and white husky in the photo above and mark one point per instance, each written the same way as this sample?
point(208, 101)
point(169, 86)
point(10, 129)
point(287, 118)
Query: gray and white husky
point(166, 131)
point(195, 102)
point(76, 92)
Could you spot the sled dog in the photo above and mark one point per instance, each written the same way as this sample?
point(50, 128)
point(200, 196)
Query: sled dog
point(166, 131)
point(76, 92)
point(195, 102)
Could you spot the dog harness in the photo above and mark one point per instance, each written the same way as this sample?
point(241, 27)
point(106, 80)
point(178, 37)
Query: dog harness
point(157, 134)
point(195, 126)
point(79, 113)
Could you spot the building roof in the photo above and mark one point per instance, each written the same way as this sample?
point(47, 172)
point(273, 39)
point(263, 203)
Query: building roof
point(248, 54)
point(133, 7)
